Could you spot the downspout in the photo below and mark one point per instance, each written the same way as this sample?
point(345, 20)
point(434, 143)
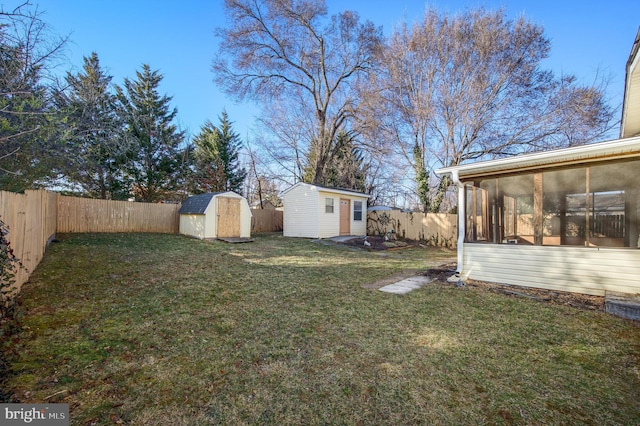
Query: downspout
point(455, 177)
point(461, 219)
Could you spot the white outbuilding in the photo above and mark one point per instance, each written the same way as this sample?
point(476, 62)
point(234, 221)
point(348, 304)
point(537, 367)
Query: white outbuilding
point(314, 211)
point(216, 215)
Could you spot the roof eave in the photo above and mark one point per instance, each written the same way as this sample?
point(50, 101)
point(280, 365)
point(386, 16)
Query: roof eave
point(326, 189)
point(619, 149)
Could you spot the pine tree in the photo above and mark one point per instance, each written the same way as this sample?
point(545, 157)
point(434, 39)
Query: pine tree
point(94, 144)
point(217, 163)
point(346, 168)
point(154, 161)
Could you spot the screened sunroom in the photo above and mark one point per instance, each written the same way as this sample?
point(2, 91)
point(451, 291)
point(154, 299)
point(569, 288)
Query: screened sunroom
point(585, 205)
point(567, 219)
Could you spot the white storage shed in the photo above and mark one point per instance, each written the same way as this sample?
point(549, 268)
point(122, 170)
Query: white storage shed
point(313, 211)
point(216, 215)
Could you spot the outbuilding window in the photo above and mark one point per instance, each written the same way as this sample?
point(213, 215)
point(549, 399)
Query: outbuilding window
point(593, 206)
point(357, 210)
point(328, 205)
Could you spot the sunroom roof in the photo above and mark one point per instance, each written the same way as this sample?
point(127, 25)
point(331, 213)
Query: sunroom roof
point(609, 150)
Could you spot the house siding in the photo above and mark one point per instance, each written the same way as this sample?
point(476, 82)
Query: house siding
point(575, 269)
point(300, 217)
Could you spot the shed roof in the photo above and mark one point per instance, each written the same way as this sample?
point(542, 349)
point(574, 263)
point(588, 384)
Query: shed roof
point(609, 150)
point(327, 189)
point(197, 204)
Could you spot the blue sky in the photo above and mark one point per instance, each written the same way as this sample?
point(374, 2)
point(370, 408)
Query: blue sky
point(177, 38)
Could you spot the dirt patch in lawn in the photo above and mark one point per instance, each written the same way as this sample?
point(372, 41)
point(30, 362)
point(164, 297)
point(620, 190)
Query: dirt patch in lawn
point(577, 300)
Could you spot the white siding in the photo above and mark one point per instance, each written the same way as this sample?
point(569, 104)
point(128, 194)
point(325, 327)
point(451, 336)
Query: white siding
point(245, 220)
point(575, 269)
point(300, 217)
point(192, 225)
point(328, 223)
point(305, 214)
point(211, 220)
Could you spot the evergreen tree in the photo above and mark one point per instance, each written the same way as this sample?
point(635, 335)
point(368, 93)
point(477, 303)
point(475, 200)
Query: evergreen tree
point(217, 162)
point(95, 147)
point(28, 147)
point(346, 169)
point(154, 162)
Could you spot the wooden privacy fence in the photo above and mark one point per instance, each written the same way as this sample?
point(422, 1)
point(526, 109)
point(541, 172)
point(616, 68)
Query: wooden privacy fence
point(266, 220)
point(36, 216)
point(31, 218)
point(439, 229)
point(89, 215)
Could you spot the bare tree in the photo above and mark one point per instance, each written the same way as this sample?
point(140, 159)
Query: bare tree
point(466, 87)
point(285, 131)
point(290, 51)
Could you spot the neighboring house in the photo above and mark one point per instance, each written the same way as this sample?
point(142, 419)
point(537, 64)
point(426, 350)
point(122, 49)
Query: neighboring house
point(314, 211)
point(566, 219)
point(216, 215)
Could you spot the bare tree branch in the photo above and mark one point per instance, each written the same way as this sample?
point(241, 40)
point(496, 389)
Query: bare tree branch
point(468, 87)
point(287, 51)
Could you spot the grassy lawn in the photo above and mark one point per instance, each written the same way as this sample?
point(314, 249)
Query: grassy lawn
point(161, 329)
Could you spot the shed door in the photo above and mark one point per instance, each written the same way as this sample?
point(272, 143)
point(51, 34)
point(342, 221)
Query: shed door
point(228, 217)
point(345, 216)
